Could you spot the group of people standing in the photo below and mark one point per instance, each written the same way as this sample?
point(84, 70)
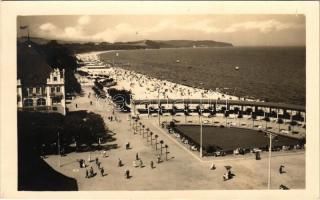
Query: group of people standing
point(90, 173)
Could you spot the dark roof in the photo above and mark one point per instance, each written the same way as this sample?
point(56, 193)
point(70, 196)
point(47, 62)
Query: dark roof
point(230, 102)
point(32, 67)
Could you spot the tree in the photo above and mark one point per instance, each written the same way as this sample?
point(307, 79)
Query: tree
point(293, 123)
point(266, 119)
point(279, 121)
point(147, 130)
point(60, 56)
point(151, 133)
point(198, 108)
point(135, 126)
point(248, 110)
point(166, 146)
point(161, 143)
point(236, 110)
point(172, 124)
point(148, 134)
point(142, 129)
point(254, 117)
point(173, 111)
point(226, 114)
point(156, 138)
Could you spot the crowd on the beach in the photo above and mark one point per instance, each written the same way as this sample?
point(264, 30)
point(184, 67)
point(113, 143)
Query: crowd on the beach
point(146, 87)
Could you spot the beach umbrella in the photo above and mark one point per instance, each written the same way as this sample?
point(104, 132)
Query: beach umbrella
point(228, 167)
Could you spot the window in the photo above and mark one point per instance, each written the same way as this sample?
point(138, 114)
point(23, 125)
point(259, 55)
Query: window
point(52, 89)
point(58, 89)
point(28, 102)
point(56, 100)
point(41, 102)
point(38, 90)
point(55, 78)
point(24, 91)
point(44, 91)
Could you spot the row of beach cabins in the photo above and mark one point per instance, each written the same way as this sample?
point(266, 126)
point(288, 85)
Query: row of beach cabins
point(231, 113)
point(228, 108)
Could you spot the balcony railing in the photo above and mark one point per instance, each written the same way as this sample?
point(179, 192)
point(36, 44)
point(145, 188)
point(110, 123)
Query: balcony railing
point(56, 94)
point(35, 108)
point(36, 95)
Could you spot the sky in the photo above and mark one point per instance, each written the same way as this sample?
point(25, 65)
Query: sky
point(240, 30)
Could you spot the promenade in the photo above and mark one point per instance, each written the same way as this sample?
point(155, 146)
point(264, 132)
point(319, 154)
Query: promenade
point(183, 171)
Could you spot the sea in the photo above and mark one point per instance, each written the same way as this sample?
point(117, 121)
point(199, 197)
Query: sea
point(273, 74)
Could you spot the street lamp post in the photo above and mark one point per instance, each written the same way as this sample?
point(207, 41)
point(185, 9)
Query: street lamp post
point(269, 169)
point(89, 158)
point(225, 112)
point(59, 156)
point(159, 105)
point(201, 129)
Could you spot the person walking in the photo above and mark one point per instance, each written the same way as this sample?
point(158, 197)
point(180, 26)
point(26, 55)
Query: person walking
point(80, 163)
point(104, 153)
point(90, 102)
point(127, 146)
point(87, 173)
point(91, 172)
point(213, 167)
point(137, 156)
point(119, 162)
point(140, 163)
point(102, 171)
point(127, 174)
point(158, 158)
point(134, 163)
point(76, 105)
point(281, 169)
point(151, 164)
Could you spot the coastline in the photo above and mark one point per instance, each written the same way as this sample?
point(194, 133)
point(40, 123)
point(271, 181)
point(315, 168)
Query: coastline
point(144, 86)
point(262, 74)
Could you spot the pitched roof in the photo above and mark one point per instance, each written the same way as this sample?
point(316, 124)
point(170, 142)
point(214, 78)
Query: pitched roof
point(32, 68)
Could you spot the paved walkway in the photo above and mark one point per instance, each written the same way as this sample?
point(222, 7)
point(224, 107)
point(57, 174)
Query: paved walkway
point(183, 171)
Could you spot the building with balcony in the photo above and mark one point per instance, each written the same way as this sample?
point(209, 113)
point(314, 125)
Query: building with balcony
point(40, 87)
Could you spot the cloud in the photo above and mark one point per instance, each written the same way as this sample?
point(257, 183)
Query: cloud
point(47, 27)
point(122, 31)
point(262, 26)
point(72, 32)
point(83, 20)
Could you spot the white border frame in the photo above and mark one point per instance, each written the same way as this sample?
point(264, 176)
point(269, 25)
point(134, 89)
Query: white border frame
point(8, 139)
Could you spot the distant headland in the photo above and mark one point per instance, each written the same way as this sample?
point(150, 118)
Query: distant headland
point(80, 46)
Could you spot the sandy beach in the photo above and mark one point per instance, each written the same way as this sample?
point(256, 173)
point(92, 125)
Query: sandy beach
point(147, 87)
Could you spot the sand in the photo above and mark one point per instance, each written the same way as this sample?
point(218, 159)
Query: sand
point(146, 87)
